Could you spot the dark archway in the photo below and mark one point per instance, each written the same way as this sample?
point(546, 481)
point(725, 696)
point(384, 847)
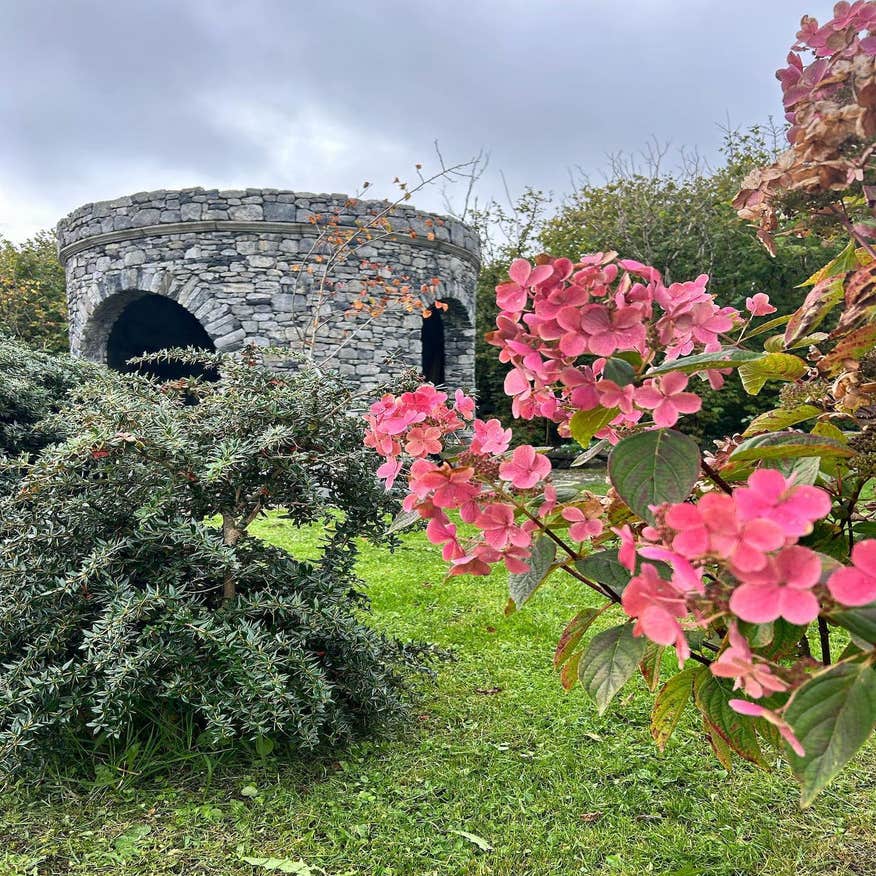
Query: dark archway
point(152, 323)
point(432, 340)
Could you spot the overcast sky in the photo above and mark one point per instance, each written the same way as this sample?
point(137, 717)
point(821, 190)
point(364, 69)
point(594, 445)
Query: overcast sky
point(102, 98)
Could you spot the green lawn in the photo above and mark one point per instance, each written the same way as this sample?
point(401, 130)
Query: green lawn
point(496, 749)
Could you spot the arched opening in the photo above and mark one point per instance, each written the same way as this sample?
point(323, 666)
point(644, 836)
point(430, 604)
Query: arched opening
point(151, 323)
point(447, 338)
point(432, 340)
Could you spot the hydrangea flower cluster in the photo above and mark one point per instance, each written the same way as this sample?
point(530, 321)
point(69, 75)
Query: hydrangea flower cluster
point(737, 554)
point(560, 322)
point(487, 486)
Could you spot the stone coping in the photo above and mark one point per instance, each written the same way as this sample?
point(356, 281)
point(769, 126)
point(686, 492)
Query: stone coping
point(291, 229)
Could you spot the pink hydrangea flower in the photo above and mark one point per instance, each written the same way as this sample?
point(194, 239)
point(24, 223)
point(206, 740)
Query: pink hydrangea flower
point(665, 396)
point(743, 544)
point(389, 471)
point(783, 588)
point(738, 662)
point(500, 529)
point(423, 440)
point(856, 584)
point(464, 404)
point(753, 710)
point(525, 468)
point(490, 437)
point(656, 605)
point(449, 487)
point(441, 531)
point(583, 527)
point(772, 496)
point(759, 304)
point(626, 554)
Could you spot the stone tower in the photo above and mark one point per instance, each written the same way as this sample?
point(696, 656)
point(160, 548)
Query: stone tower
point(217, 270)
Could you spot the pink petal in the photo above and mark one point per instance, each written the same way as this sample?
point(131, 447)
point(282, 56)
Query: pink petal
point(519, 271)
point(852, 587)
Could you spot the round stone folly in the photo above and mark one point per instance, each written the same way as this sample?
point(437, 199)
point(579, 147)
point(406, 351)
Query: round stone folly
point(221, 269)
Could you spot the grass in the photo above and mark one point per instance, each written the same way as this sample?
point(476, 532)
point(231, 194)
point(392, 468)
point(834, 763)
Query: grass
point(496, 750)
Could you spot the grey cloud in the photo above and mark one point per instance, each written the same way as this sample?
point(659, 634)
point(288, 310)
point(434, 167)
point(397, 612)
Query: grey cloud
point(106, 96)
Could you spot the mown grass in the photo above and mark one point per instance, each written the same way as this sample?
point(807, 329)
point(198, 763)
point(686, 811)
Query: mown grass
point(495, 749)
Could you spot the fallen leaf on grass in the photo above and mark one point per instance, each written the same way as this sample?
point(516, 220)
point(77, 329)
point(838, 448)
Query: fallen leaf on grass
point(473, 838)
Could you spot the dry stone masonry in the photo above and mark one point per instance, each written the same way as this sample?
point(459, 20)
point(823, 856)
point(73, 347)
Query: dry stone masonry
point(217, 269)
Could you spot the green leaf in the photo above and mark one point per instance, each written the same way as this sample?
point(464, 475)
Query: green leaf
point(649, 665)
point(572, 634)
point(846, 261)
point(569, 672)
point(833, 715)
point(619, 371)
point(784, 445)
point(522, 586)
point(860, 621)
point(765, 327)
point(815, 307)
point(783, 641)
point(723, 752)
point(585, 424)
point(772, 366)
point(403, 520)
point(669, 705)
point(605, 568)
point(804, 469)
point(589, 454)
point(609, 662)
point(653, 467)
point(728, 357)
point(712, 698)
point(781, 418)
point(474, 839)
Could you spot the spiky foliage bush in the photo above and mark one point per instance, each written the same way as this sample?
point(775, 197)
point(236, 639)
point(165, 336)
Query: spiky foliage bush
point(129, 586)
point(33, 386)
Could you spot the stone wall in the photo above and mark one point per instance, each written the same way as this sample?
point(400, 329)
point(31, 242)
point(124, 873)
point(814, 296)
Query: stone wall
point(229, 258)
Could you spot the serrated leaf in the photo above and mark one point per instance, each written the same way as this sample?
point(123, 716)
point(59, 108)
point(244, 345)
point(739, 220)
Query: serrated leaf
point(853, 346)
point(832, 715)
point(860, 299)
point(779, 445)
point(860, 621)
point(804, 469)
point(669, 706)
point(653, 467)
point(609, 662)
point(781, 418)
point(585, 424)
point(522, 586)
point(712, 698)
point(728, 357)
point(772, 366)
point(573, 633)
point(722, 751)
